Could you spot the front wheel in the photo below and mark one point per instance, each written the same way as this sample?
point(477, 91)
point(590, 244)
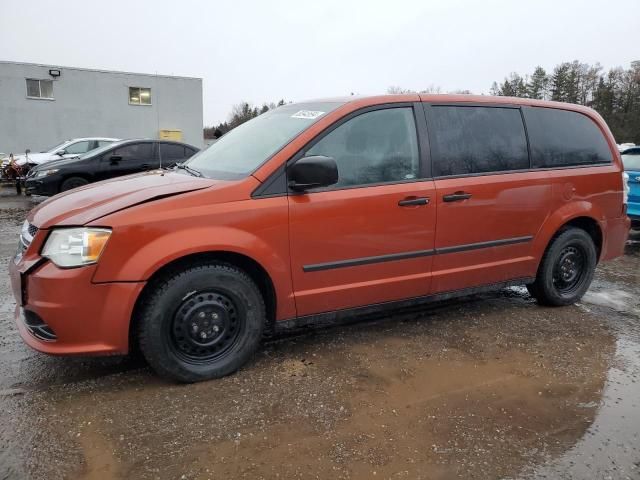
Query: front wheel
point(200, 323)
point(73, 182)
point(566, 269)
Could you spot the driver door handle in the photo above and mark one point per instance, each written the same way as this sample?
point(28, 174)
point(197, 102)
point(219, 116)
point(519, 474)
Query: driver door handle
point(456, 197)
point(413, 201)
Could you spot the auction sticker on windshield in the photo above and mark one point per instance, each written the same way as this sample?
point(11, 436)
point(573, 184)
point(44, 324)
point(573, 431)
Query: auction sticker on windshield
point(307, 114)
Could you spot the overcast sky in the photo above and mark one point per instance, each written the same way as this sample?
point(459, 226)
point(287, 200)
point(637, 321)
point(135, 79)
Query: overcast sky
point(261, 51)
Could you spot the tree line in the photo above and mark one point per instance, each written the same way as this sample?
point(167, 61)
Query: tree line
point(240, 113)
point(614, 94)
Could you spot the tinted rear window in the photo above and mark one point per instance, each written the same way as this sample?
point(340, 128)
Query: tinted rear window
point(467, 140)
point(560, 138)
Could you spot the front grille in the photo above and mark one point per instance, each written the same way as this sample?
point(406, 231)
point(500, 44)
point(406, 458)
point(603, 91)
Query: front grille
point(32, 229)
point(27, 233)
point(38, 328)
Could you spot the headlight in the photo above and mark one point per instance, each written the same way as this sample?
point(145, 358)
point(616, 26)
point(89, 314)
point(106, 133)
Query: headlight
point(73, 247)
point(46, 173)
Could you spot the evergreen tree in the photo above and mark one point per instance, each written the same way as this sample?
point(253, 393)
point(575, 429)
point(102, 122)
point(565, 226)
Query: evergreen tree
point(558, 83)
point(614, 94)
point(538, 84)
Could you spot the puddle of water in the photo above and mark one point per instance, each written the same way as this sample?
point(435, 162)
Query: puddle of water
point(615, 299)
point(610, 449)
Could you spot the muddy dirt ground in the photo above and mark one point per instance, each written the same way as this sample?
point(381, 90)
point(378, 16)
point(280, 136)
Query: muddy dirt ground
point(491, 386)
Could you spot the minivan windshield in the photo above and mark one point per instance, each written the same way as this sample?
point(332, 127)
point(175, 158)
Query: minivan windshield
point(240, 151)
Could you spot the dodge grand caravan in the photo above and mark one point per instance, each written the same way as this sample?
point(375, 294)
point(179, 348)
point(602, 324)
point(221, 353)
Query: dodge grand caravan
point(317, 211)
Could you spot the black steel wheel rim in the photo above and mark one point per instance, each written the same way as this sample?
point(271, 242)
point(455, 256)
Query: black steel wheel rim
point(570, 269)
point(205, 327)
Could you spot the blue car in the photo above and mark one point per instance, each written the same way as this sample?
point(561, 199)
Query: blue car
point(631, 161)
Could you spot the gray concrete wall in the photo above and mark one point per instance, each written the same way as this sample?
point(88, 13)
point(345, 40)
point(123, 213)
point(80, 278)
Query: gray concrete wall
point(93, 103)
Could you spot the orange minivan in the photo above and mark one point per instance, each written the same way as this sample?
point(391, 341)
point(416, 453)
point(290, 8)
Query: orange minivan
point(318, 211)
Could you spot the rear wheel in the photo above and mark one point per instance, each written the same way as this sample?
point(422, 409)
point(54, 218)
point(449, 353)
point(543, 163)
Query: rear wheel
point(201, 323)
point(73, 182)
point(566, 270)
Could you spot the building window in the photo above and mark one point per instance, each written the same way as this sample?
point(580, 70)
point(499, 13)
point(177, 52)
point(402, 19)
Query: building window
point(40, 88)
point(139, 96)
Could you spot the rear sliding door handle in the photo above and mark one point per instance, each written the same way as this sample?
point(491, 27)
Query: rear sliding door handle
point(413, 201)
point(456, 197)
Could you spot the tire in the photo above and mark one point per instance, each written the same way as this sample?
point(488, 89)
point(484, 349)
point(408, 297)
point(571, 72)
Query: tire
point(533, 291)
point(73, 182)
point(566, 269)
point(200, 323)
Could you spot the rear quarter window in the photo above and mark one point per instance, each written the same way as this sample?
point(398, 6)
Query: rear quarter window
point(562, 138)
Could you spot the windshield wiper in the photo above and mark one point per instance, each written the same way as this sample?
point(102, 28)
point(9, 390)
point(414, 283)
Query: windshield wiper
point(192, 171)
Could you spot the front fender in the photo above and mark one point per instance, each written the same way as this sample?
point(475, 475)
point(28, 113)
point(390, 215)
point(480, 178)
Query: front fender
point(124, 262)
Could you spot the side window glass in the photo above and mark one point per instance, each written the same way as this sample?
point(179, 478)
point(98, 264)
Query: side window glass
point(562, 138)
point(374, 147)
point(137, 151)
point(468, 140)
point(170, 151)
point(78, 148)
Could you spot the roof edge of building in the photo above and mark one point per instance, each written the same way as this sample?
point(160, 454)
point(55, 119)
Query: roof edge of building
point(95, 70)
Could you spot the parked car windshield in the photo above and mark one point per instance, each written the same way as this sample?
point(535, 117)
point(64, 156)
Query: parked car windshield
point(58, 147)
point(246, 147)
point(631, 161)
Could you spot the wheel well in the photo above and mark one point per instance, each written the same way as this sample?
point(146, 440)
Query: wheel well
point(73, 175)
point(252, 268)
point(590, 226)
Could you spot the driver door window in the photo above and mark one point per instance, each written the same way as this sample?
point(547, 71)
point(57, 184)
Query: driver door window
point(77, 148)
point(127, 159)
point(375, 147)
point(138, 151)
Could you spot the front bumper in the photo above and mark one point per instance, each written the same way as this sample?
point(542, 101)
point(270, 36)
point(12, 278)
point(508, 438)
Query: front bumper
point(47, 187)
point(87, 318)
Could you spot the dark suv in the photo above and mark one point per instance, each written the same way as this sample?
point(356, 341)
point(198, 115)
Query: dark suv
point(113, 160)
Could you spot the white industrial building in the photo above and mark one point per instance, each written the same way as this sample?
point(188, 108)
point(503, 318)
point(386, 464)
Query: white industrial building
point(42, 105)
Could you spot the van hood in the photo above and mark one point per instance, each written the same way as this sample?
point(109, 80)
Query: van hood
point(85, 204)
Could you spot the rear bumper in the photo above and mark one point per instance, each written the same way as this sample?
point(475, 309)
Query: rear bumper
point(86, 318)
point(616, 233)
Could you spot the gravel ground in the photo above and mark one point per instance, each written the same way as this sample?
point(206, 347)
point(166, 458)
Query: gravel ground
point(490, 386)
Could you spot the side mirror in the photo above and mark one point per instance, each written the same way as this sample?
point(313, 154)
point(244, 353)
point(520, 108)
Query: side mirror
point(114, 159)
point(61, 153)
point(312, 172)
